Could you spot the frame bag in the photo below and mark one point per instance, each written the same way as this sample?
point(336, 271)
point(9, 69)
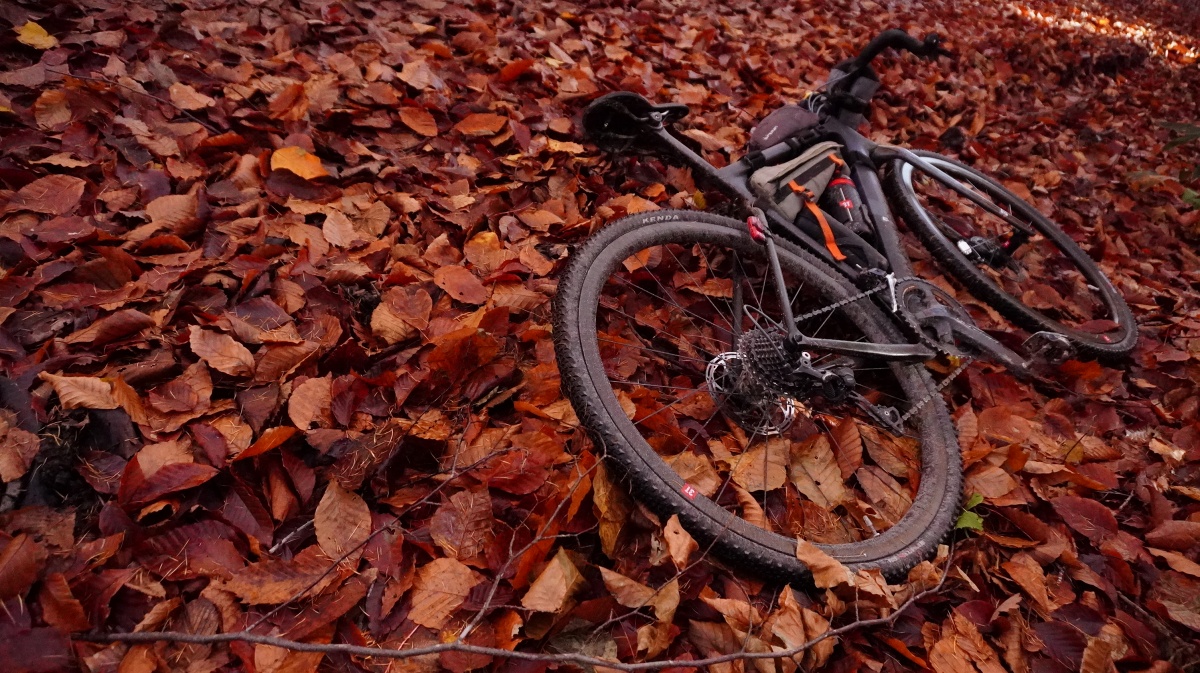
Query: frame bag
point(794, 187)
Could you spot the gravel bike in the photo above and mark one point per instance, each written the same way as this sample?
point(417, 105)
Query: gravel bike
point(766, 378)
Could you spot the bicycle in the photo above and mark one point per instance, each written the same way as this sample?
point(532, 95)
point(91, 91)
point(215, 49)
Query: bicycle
point(736, 371)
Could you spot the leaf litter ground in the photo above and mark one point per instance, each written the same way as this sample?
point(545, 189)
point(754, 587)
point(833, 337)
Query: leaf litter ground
point(275, 337)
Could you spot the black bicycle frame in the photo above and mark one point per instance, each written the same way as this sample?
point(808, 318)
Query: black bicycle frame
point(886, 255)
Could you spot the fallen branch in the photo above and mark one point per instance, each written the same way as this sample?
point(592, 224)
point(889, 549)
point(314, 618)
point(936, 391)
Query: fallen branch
point(459, 646)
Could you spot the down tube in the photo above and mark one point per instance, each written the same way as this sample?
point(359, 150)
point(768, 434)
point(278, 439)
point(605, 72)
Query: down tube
point(885, 227)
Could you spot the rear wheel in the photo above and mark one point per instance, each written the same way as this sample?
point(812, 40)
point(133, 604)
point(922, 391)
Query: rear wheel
point(1042, 282)
point(668, 336)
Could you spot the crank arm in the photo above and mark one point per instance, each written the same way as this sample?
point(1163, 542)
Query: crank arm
point(899, 352)
point(979, 340)
point(884, 152)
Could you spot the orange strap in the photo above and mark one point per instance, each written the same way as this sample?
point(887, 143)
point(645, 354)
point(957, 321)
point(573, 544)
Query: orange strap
point(830, 241)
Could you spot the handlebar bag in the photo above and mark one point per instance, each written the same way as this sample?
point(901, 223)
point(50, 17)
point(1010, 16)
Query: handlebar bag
point(780, 125)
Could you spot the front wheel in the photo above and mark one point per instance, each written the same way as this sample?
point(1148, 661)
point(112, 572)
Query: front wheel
point(668, 334)
point(1043, 281)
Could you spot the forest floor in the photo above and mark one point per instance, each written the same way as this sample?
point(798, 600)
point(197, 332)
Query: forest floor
point(275, 281)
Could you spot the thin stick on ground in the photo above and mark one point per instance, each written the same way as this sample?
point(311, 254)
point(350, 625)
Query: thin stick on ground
point(459, 646)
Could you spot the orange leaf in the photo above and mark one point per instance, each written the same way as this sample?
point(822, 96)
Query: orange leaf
point(481, 124)
point(680, 545)
point(310, 403)
point(299, 161)
point(269, 439)
point(515, 69)
point(419, 120)
point(20, 562)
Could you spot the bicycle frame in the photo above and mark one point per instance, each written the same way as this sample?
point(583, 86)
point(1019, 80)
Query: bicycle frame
point(887, 256)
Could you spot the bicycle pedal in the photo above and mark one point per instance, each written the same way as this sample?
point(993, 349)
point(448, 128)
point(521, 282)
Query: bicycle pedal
point(1049, 347)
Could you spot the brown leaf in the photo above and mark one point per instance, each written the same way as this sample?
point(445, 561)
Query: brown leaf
point(111, 328)
point(221, 352)
point(81, 392)
point(311, 403)
point(680, 544)
point(21, 560)
point(552, 590)
point(60, 608)
point(299, 161)
point(1087, 517)
point(463, 525)
point(1175, 534)
point(419, 120)
point(175, 212)
point(52, 110)
point(461, 284)
point(18, 448)
point(990, 481)
point(628, 592)
point(763, 467)
point(481, 124)
point(1028, 574)
point(847, 446)
point(273, 581)
point(815, 472)
point(441, 586)
point(342, 522)
point(827, 571)
point(401, 313)
point(52, 195)
point(187, 98)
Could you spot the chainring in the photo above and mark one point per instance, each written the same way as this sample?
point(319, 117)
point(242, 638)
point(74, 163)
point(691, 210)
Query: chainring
point(911, 297)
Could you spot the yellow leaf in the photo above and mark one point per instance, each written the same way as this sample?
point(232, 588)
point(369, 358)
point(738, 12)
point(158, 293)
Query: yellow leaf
point(35, 36)
point(299, 161)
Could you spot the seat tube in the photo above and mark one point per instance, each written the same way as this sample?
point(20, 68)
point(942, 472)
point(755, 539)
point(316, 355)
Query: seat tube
point(888, 234)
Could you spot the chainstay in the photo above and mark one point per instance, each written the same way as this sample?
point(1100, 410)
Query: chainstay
point(852, 298)
point(936, 392)
point(964, 361)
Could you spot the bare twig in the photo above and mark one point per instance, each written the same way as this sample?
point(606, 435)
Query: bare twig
point(160, 99)
point(459, 646)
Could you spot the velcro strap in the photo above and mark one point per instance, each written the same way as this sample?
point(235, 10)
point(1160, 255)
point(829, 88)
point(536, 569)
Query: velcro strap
point(830, 241)
point(756, 160)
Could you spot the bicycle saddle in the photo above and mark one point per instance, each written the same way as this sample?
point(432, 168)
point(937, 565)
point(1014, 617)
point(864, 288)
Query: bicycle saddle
point(614, 120)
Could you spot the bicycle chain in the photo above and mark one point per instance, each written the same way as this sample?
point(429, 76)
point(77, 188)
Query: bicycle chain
point(964, 361)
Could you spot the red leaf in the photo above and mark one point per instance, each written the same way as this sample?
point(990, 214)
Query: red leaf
point(1087, 517)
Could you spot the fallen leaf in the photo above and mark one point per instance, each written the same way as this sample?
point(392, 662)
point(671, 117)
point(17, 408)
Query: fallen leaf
point(51, 195)
point(311, 403)
point(299, 161)
point(419, 120)
point(763, 467)
point(827, 571)
point(461, 284)
point(680, 544)
point(553, 588)
point(441, 586)
point(35, 36)
point(463, 525)
point(221, 352)
point(481, 124)
point(342, 522)
point(187, 98)
point(81, 392)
